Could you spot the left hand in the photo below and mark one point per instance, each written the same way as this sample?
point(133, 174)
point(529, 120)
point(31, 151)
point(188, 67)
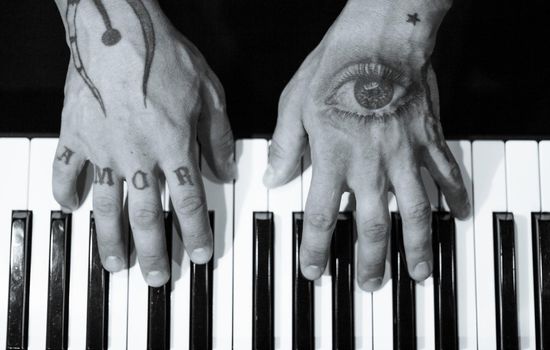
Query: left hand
point(366, 99)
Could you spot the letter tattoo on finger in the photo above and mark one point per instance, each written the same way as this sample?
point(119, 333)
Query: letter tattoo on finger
point(184, 177)
point(139, 180)
point(65, 157)
point(103, 176)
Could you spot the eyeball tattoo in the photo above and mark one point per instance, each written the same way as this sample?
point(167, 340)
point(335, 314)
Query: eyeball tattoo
point(370, 90)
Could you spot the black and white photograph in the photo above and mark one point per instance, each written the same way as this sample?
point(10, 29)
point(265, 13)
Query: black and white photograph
point(274, 175)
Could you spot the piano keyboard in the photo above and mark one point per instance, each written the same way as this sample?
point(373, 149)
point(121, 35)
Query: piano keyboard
point(490, 288)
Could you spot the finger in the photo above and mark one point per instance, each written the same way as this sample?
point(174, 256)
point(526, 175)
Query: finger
point(67, 165)
point(214, 131)
point(107, 204)
point(446, 172)
point(289, 139)
point(373, 228)
point(416, 213)
point(189, 203)
point(147, 222)
point(320, 217)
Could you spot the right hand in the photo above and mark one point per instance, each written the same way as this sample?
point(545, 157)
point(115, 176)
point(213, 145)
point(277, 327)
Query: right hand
point(136, 127)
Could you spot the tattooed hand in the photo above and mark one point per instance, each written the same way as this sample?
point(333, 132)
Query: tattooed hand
point(366, 99)
point(137, 96)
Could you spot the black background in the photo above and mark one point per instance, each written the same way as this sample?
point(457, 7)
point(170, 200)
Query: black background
point(491, 60)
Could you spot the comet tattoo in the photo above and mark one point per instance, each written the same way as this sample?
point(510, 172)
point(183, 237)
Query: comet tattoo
point(111, 37)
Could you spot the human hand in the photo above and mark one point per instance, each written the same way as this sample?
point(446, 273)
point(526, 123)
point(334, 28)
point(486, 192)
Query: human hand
point(137, 96)
point(366, 99)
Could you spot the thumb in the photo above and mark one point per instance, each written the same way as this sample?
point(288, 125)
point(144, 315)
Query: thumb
point(288, 143)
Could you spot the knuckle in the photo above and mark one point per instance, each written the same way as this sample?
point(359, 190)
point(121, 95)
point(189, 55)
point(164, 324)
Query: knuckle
point(151, 260)
point(373, 269)
point(376, 231)
point(321, 222)
point(146, 217)
point(106, 207)
point(313, 252)
point(419, 246)
point(418, 213)
point(190, 206)
point(276, 151)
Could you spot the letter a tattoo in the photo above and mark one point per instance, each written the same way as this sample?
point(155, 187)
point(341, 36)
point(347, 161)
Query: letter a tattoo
point(111, 37)
point(65, 157)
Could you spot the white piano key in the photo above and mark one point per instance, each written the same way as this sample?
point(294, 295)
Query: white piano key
point(41, 202)
point(14, 154)
point(522, 181)
point(382, 302)
point(322, 287)
point(250, 196)
point(118, 299)
point(283, 201)
point(219, 197)
point(489, 196)
point(138, 304)
point(180, 295)
point(362, 314)
point(424, 291)
point(78, 288)
point(465, 254)
point(544, 164)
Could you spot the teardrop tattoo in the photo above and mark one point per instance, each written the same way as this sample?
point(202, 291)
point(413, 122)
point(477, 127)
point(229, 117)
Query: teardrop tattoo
point(111, 37)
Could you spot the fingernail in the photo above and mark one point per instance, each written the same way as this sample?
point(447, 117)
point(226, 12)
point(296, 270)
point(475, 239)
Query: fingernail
point(372, 284)
point(113, 264)
point(312, 272)
point(156, 278)
point(269, 176)
point(200, 256)
point(422, 270)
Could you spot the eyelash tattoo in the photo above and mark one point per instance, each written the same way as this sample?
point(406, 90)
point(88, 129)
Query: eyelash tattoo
point(370, 90)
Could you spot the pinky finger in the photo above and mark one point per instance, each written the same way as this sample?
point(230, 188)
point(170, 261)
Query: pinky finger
point(446, 172)
point(67, 165)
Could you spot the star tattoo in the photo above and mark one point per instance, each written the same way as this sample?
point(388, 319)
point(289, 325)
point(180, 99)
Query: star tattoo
point(413, 19)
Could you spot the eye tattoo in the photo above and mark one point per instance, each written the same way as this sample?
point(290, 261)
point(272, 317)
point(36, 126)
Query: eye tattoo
point(111, 37)
point(65, 157)
point(413, 18)
point(370, 90)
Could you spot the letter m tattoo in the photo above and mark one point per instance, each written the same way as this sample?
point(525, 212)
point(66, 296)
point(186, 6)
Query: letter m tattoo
point(103, 176)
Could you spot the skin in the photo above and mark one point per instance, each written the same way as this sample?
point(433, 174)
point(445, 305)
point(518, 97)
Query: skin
point(369, 152)
point(145, 129)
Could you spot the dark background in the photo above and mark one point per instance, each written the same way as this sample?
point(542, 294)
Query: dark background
point(490, 59)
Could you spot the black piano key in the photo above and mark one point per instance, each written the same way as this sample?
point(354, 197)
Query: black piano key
point(98, 297)
point(342, 283)
point(18, 301)
point(303, 331)
point(403, 287)
point(58, 282)
point(505, 281)
point(262, 323)
point(541, 264)
point(158, 315)
point(200, 333)
point(444, 276)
